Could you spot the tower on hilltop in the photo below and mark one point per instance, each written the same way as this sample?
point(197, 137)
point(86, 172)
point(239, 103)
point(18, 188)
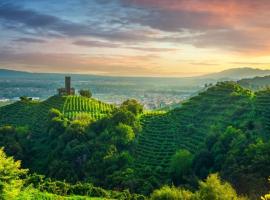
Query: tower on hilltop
point(67, 90)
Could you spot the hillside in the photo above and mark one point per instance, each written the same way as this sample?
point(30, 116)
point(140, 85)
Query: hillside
point(257, 83)
point(219, 129)
point(237, 74)
point(34, 114)
point(187, 127)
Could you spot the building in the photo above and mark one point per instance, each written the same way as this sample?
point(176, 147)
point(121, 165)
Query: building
point(67, 90)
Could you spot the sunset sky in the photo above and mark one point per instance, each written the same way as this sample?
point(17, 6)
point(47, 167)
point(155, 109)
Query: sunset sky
point(134, 37)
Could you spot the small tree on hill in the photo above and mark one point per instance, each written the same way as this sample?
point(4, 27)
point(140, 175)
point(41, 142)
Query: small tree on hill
point(25, 98)
point(181, 165)
point(86, 93)
point(133, 106)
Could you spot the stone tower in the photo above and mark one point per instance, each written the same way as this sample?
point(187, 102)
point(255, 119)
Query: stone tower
point(67, 90)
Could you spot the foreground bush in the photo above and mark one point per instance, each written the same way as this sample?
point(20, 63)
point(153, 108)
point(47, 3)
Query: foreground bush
point(10, 173)
point(212, 189)
point(171, 193)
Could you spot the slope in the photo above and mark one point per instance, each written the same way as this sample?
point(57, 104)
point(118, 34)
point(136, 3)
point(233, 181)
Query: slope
point(33, 114)
point(186, 127)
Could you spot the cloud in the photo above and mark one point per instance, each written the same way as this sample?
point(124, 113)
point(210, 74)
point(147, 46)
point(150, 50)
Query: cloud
point(153, 49)
point(107, 44)
point(33, 22)
point(237, 25)
point(30, 40)
point(94, 43)
point(113, 65)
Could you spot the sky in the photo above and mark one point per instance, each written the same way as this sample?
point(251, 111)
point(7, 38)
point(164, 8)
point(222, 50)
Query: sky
point(134, 37)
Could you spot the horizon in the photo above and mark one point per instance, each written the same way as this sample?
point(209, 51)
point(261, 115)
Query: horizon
point(127, 76)
point(134, 38)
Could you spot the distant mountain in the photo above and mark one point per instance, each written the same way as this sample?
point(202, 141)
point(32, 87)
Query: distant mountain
point(237, 74)
point(256, 83)
point(13, 73)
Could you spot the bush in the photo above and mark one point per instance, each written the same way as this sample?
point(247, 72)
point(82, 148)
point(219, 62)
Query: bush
point(214, 189)
point(171, 193)
point(10, 177)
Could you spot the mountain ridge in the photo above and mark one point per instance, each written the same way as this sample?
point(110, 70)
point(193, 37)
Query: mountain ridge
point(238, 73)
point(232, 73)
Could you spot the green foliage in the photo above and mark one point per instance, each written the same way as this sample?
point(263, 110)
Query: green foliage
point(133, 106)
point(47, 187)
point(187, 127)
point(171, 193)
point(86, 93)
point(181, 165)
point(214, 189)
point(210, 189)
point(75, 106)
point(125, 133)
point(10, 173)
point(35, 114)
point(82, 139)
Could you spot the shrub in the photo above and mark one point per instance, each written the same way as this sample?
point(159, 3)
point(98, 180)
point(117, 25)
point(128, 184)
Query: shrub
point(214, 189)
point(10, 177)
point(171, 193)
point(86, 93)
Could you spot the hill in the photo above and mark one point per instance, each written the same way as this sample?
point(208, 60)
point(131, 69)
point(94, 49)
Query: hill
point(187, 127)
point(257, 83)
point(237, 74)
point(8, 73)
point(34, 114)
point(220, 129)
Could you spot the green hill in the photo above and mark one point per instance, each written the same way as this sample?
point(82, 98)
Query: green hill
point(223, 127)
point(257, 83)
point(34, 113)
point(187, 127)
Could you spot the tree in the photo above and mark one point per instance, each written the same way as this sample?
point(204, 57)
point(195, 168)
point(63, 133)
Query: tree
point(133, 106)
point(86, 93)
point(123, 116)
point(125, 134)
point(181, 165)
point(214, 189)
point(210, 189)
point(10, 176)
point(25, 99)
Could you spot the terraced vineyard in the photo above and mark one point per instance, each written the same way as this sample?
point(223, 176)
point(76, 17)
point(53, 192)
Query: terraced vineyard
point(75, 106)
point(263, 108)
point(163, 133)
point(34, 114)
point(187, 127)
